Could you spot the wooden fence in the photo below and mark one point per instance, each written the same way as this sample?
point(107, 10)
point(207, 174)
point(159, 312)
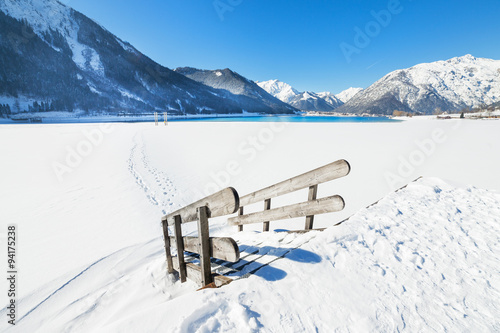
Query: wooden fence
point(227, 202)
point(308, 209)
point(221, 203)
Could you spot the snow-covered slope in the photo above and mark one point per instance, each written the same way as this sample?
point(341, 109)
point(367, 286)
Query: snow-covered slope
point(234, 83)
point(57, 55)
point(281, 90)
point(347, 94)
point(91, 253)
point(330, 98)
point(310, 101)
point(423, 258)
point(306, 101)
point(448, 85)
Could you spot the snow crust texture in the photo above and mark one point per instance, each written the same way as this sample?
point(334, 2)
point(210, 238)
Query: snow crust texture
point(424, 258)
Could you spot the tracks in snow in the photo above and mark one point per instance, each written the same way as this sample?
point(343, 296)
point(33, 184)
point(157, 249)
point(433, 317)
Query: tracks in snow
point(158, 188)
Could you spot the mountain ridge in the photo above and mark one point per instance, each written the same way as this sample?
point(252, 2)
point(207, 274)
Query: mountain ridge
point(58, 56)
point(445, 85)
point(305, 101)
point(234, 83)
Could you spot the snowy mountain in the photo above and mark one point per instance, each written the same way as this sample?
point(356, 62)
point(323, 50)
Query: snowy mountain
point(233, 83)
point(58, 56)
point(347, 94)
point(305, 101)
point(281, 90)
point(310, 101)
point(331, 98)
point(448, 85)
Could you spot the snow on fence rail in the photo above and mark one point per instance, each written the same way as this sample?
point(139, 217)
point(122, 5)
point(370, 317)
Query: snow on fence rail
point(308, 209)
point(227, 202)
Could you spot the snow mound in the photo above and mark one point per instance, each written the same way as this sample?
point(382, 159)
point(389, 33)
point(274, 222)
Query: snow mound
point(424, 258)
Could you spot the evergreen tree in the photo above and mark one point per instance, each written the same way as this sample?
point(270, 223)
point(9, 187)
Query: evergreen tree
point(17, 106)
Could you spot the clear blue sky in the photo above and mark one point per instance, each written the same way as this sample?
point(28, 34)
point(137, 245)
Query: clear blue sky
point(299, 42)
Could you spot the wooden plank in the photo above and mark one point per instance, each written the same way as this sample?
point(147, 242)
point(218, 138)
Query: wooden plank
point(223, 248)
point(203, 238)
point(267, 206)
point(240, 212)
point(313, 191)
point(166, 238)
point(193, 273)
point(320, 175)
point(219, 204)
point(319, 206)
point(180, 247)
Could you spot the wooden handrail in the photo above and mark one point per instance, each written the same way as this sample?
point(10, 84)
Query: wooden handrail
point(318, 206)
point(317, 176)
point(223, 248)
point(224, 202)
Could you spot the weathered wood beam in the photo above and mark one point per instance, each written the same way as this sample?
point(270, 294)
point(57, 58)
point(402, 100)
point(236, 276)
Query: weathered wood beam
point(267, 206)
point(180, 247)
point(168, 253)
point(320, 175)
point(221, 203)
point(313, 191)
point(203, 240)
point(319, 206)
point(223, 248)
point(240, 212)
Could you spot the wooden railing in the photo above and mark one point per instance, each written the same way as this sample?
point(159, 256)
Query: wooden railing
point(308, 209)
point(219, 204)
point(227, 202)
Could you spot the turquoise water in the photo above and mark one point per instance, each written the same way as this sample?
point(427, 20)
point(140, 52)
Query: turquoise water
point(293, 119)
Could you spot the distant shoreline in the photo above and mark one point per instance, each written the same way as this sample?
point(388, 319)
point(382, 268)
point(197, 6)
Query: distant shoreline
point(71, 118)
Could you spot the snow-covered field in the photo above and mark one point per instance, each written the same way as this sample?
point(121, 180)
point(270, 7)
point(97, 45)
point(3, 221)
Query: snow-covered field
point(87, 201)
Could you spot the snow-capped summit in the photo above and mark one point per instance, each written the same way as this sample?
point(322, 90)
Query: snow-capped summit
point(331, 98)
point(280, 90)
point(306, 101)
point(232, 82)
point(71, 62)
point(347, 94)
point(47, 17)
point(447, 85)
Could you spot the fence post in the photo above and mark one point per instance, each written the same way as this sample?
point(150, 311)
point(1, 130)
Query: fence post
point(240, 212)
point(204, 247)
point(180, 247)
point(267, 206)
point(170, 265)
point(313, 191)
